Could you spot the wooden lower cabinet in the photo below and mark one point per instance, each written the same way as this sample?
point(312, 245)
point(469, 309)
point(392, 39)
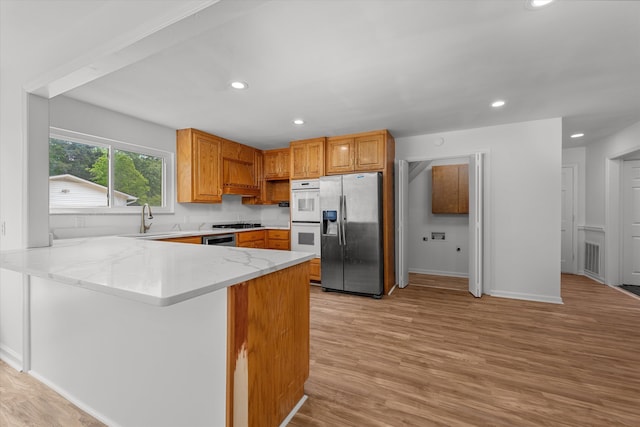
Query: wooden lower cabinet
point(187, 239)
point(251, 239)
point(267, 346)
point(315, 273)
point(278, 239)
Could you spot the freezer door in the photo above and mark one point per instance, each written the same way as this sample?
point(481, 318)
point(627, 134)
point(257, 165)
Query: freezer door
point(331, 239)
point(362, 222)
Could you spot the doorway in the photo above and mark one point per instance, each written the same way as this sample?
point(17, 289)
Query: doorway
point(454, 240)
point(631, 222)
point(567, 224)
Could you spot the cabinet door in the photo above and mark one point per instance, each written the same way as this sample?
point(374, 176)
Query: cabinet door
point(450, 189)
point(369, 153)
point(315, 159)
point(271, 159)
point(444, 189)
point(340, 155)
point(298, 161)
point(276, 164)
point(206, 170)
point(284, 163)
point(463, 189)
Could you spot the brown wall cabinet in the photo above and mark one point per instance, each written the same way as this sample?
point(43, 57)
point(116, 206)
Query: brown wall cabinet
point(239, 174)
point(276, 163)
point(450, 189)
point(198, 167)
point(272, 191)
point(307, 158)
point(356, 153)
point(209, 166)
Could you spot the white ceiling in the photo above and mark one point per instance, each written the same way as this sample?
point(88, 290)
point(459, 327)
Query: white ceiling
point(413, 67)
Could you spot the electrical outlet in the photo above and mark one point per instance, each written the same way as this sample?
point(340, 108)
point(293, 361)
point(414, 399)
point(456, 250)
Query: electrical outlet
point(438, 235)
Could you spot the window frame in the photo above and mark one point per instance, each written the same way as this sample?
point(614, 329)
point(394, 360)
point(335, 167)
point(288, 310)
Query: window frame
point(168, 166)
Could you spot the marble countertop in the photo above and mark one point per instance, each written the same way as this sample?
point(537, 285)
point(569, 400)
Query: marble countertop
point(157, 273)
point(210, 232)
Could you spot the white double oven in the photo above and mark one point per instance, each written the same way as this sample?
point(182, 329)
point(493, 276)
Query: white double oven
point(305, 216)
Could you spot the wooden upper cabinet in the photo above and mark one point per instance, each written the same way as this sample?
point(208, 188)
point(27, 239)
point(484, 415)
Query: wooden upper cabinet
point(450, 189)
point(239, 171)
point(277, 163)
point(307, 158)
point(356, 153)
point(370, 152)
point(198, 167)
point(340, 155)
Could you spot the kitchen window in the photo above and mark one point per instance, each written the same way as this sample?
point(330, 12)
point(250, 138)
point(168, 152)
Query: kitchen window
point(89, 174)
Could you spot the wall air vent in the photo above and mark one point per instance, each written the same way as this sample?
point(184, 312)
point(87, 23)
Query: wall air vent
point(592, 258)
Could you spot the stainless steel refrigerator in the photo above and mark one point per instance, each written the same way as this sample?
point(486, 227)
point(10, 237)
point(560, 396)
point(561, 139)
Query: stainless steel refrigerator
point(351, 235)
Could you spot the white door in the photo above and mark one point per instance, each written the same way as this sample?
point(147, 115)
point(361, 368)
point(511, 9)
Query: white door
point(631, 223)
point(476, 186)
point(567, 225)
point(402, 216)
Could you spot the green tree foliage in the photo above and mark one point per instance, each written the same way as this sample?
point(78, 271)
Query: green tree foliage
point(135, 174)
point(127, 178)
point(72, 158)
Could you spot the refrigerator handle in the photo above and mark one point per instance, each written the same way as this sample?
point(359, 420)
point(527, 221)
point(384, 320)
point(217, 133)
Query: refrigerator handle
point(344, 219)
point(340, 221)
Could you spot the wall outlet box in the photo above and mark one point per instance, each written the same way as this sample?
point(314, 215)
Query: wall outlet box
point(437, 236)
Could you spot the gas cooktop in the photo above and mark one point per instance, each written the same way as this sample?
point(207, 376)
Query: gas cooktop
point(237, 225)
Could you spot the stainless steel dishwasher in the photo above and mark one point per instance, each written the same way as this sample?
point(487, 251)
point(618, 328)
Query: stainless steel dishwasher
point(220, 240)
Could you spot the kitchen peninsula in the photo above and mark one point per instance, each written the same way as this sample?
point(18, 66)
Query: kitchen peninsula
point(146, 333)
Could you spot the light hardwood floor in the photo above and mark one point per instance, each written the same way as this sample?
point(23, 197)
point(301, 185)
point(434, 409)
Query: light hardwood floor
point(436, 357)
point(24, 401)
point(442, 282)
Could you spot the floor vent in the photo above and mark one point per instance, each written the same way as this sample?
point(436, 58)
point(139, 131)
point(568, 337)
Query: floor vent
point(592, 258)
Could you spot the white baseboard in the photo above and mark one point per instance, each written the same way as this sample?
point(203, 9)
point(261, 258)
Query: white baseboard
point(294, 411)
point(438, 272)
point(593, 276)
point(71, 398)
point(526, 297)
point(11, 358)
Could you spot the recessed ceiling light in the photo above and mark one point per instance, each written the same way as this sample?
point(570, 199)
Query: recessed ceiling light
point(298, 122)
point(537, 4)
point(577, 135)
point(239, 85)
point(498, 103)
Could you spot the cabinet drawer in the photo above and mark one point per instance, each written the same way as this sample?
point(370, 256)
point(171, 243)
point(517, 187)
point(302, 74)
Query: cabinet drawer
point(279, 244)
point(249, 236)
point(256, 244)
point(278, 234)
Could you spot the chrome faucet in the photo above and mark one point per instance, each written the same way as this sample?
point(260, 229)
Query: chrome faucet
point(143, 225)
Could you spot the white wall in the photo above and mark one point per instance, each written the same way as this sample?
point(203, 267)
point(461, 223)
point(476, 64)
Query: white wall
point(576, 157)
point(522, 201)
point(434, 256)
point(602, 204)
point(69, 114)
